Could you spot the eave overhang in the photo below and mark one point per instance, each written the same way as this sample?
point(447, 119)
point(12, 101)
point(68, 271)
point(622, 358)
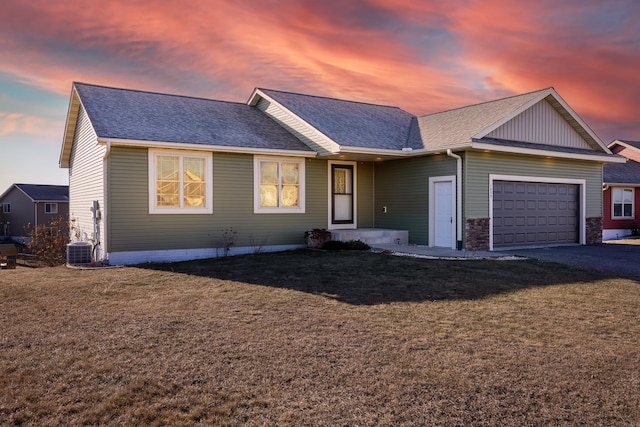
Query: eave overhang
point(596, 156)
point(117, 142)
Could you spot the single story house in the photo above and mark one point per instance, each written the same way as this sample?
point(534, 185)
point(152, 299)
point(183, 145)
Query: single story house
point(25, 206)
point(620, 192)
point(158, 177)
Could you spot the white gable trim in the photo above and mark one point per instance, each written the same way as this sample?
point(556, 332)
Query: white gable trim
point(318, 137)
point(623, 144)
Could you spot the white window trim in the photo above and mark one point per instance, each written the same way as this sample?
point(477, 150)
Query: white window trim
point(208, 207)
point(52, 205)
point(633, 204)
point(257, 209)
point(582, 183)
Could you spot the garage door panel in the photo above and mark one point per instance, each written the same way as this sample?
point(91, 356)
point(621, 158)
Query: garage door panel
point(527, 213)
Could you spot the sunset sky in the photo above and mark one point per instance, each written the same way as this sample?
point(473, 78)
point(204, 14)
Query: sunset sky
point(422, 56)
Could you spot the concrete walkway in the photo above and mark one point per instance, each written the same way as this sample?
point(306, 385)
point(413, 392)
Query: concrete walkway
point(440, 253)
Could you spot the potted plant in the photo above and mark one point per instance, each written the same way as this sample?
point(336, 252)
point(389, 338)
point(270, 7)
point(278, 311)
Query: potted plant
point(317, 237)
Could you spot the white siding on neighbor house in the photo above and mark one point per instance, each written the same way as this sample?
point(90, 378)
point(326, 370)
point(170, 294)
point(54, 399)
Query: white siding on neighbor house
point(540, 124)
point(305, 133)
point(86, 179)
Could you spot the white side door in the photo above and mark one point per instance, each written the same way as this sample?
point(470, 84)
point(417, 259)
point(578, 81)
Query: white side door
point(442, 219)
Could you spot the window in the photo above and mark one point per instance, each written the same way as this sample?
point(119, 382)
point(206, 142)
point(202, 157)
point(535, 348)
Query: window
point(180, 182)
point(6, 207)
point(51, 208)
point(622, 199)
point(279, 185)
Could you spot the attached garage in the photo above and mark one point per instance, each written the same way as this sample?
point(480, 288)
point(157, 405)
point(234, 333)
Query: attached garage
point(535, 213)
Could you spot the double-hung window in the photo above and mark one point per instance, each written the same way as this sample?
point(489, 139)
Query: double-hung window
point(6, 208)
point(279, 185)
point(180, 182)
point(622, 200)
point(51, 208)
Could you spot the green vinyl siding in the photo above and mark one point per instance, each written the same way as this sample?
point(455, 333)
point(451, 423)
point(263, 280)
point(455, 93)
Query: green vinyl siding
point(365, 195)
point(402, 186)
point(132, 228)
point(479, 165)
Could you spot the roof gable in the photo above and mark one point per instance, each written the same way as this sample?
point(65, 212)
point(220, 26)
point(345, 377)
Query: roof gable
point(347, 123)
point(541, 124)
point(514, 118)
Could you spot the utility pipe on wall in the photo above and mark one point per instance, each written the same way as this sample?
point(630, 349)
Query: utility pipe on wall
point(458, 198)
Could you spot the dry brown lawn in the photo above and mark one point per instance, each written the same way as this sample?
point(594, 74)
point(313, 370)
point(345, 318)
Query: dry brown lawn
point(317, 338)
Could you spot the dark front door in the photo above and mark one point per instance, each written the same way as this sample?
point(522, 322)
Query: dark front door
point(342, 194)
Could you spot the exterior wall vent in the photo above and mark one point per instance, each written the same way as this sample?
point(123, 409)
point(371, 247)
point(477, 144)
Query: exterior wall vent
point(79, 253)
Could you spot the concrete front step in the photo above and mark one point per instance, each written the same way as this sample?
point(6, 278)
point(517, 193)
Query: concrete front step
point(372, 236)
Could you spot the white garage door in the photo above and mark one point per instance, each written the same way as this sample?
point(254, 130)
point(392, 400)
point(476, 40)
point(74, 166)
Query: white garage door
point(534, 214)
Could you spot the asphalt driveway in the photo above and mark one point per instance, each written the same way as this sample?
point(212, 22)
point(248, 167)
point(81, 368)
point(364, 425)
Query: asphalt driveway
point(622, 257)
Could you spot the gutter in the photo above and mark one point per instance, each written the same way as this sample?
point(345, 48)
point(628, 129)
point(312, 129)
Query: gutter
point(458, 198)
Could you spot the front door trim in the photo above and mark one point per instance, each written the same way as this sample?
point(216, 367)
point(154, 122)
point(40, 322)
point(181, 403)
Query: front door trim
point(342, 226)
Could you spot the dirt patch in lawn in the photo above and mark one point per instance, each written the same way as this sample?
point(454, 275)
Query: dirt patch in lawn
point(315, 338)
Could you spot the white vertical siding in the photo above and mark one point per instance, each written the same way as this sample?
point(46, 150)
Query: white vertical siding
point(541, 124)
point(86, 178)
point(305, 133)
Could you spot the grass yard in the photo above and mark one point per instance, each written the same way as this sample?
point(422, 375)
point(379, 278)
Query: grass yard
point(320, 338)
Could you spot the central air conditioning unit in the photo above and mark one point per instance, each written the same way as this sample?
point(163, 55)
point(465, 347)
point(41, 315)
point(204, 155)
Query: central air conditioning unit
point(79, 253)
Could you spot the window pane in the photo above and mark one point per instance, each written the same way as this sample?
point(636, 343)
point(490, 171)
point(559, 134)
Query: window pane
point(290, 196)
point(269, 173)
point(617, 195)
point(628, 208)
point(268, 196)
point(617, 209)
point(628, 196)
point(168, 181)
point(290, 174)
point(194, 182)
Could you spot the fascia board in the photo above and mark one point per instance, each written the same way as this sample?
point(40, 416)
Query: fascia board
point(115, 142)
point(622, 184)
point(549, 153)
point(67, 137)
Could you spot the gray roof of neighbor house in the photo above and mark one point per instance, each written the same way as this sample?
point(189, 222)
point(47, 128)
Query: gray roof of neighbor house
point(353, 124)
point(45, 193)
point(621, 173)
point(147, 116)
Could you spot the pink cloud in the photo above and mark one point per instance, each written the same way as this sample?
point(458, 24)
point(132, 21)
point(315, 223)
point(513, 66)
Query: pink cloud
point(588, 51)
point(421, 56)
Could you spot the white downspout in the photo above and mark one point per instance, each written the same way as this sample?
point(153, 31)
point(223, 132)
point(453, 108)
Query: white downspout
point(458, 198)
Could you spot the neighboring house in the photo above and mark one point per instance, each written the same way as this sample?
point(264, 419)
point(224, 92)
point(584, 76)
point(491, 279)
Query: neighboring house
point(621, 192)
point(25, 206)
point(175, 177)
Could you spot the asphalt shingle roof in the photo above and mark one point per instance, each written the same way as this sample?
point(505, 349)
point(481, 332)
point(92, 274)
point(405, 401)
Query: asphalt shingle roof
point(454, 128)
point(350, 123)
point(621, 173)
point(48, 193)
point(147, 116)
